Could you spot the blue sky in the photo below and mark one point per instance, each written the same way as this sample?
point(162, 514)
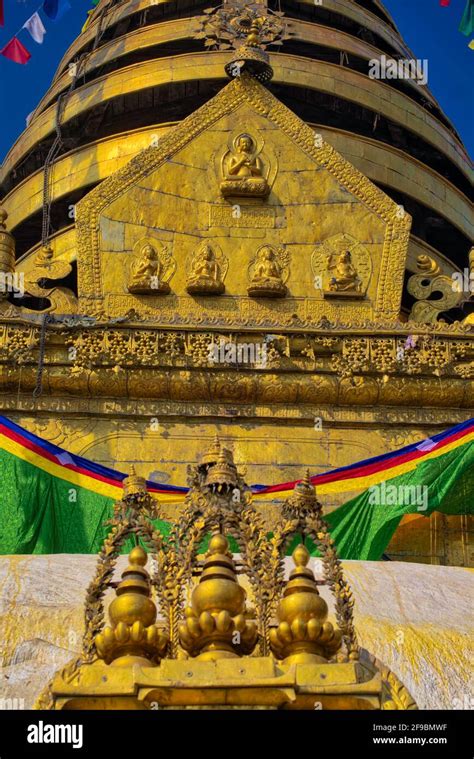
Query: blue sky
point(429, 30)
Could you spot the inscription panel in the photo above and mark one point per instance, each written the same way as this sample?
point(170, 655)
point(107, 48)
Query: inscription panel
point(241, 216)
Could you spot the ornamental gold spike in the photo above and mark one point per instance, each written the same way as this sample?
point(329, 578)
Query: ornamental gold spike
point(215, 626)
point(303, 635)
point(133, 637)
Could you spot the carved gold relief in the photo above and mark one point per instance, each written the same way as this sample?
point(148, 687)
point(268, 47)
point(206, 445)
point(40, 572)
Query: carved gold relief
point(242, 169)
point(428, 281)
point(342, 267)
point(208, 268)
point(245, 91)
point(151, 268)
point(268, 272)
point(62, 300)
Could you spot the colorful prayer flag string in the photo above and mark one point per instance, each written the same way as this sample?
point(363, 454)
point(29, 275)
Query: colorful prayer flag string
point(15, 50)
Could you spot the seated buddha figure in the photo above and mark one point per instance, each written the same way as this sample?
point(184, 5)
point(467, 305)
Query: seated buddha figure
point(344, 275)
point(266, 280)
point(145, 273)
point(205, 277)
point(243, 173)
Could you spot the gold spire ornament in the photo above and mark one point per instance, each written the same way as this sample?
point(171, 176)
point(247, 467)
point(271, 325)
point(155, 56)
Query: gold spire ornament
point(133, 638)
point(215, 626)
point(222, 476)
point(303, 502)
point(303, 634)
point(133, 484)
point(218, 651)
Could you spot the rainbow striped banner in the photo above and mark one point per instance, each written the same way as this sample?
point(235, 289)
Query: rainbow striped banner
point(53, 501)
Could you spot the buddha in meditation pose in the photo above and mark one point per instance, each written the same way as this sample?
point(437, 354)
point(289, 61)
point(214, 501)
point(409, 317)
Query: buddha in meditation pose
point(145, 273)
point(205, 277)
point(266, 279)
point(344, 275)
point(243, 173)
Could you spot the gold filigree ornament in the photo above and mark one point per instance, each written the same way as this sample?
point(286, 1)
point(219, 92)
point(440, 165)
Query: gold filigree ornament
point(248, 28)
point(427, 282)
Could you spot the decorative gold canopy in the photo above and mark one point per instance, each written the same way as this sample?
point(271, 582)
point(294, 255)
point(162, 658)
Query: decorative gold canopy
point(246, 637)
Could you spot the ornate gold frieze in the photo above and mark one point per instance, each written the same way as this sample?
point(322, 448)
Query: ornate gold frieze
point(421, 353)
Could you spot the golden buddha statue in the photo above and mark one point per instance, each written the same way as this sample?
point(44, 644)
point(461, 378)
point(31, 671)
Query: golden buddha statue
point(205, 278)
point(266, 280)
point(145, 273)
point(344, 274)
point(243, 171)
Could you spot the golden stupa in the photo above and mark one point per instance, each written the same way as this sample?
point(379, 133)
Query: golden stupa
point(217, 223)
point(305, 214)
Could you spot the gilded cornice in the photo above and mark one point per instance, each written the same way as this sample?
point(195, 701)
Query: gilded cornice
point(302, 370)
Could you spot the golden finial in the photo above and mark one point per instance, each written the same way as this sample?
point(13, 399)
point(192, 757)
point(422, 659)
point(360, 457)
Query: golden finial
point(212, 454)
point(44, 255)
point(133, 638)
point(248, 29)
point(303, 634)
point(215, 626)
point(133, 483)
